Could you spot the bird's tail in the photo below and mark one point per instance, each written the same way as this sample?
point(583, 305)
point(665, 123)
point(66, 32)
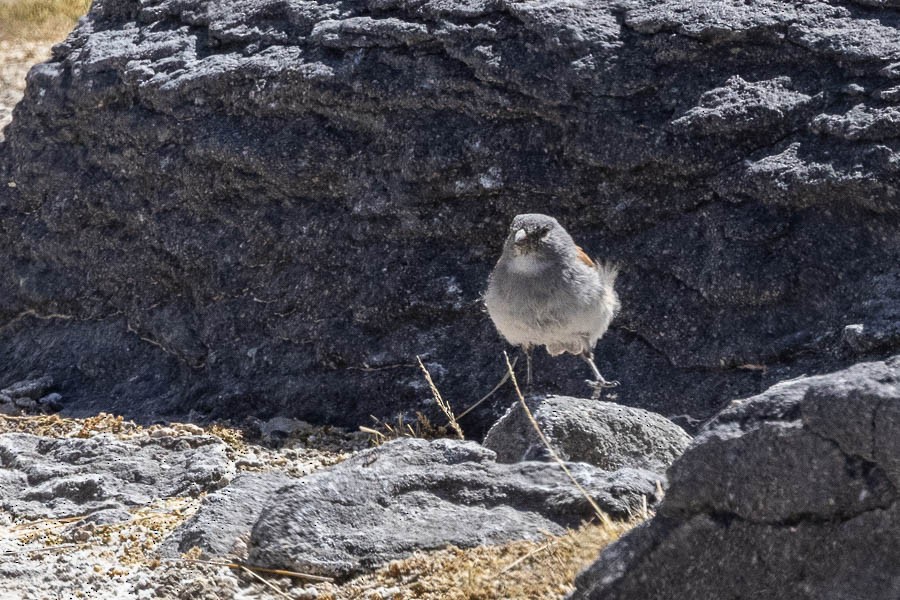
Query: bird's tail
point(608, 273)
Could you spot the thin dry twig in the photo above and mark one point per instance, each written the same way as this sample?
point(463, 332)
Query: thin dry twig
point(43, 549)
point(522, 559)
point(233, 565)
point(265, 582)
point(490, 393)
point(604, 518)
point(51, 522)
point(374, 432)
point(442, 404)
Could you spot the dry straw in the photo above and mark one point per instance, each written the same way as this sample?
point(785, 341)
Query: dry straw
point(604, 518)
point(442, 404)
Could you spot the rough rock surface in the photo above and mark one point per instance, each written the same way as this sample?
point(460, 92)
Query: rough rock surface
point(794, 493)
point(411, 494)
point(42, 477)
point(226, 517)
point(273, 206)
point(604, 434)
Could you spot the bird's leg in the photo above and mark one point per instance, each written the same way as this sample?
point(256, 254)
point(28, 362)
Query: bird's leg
point(527, 348)
point(599, 382)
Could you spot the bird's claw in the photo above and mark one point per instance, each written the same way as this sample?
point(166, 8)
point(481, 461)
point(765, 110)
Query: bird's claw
point(599, 385)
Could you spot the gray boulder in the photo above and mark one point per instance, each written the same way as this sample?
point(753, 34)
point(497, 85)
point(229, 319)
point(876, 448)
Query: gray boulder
point(44, 477)
point(604, 434)
point(226, 516)
point(286, 202)
point(29, 388)
point(410, 494)
point(789, 494)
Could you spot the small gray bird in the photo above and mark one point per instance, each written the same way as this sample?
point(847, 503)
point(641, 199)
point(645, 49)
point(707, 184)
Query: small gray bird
point(545, 291)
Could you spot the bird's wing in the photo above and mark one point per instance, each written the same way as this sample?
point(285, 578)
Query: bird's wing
point(583, 257)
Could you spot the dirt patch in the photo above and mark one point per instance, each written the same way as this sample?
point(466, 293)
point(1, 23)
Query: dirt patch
point(16, 57)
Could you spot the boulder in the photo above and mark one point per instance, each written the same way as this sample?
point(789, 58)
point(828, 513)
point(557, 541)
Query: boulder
point(42, 477)
point(271, 208)
point(411, 494)
point(223, 522)
point(789, 494)
point(29, 388)
point(604, 434)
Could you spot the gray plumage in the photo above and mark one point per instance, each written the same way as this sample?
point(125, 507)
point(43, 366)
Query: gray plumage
point(545, 291)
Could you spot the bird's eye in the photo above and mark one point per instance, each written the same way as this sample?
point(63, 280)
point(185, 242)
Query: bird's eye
point(543, 233)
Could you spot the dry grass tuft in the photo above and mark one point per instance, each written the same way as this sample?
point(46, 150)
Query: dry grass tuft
point(442, 404)
point(421, 427)
point(39, 19)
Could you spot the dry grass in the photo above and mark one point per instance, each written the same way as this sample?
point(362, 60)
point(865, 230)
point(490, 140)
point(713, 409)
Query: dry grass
point(39, 19)
point(62, 427)
point(131, 542)
point(518, 570)
point(422, 427)
point(442, 404)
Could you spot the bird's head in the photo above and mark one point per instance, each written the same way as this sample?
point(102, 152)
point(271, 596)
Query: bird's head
point(536, 241)
point(535, 234)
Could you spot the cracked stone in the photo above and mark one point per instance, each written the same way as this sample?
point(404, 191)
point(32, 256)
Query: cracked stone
point(54, 478)
point(793, 491)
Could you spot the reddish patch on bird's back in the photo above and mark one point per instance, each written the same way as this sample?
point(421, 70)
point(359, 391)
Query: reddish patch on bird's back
point(583, 257)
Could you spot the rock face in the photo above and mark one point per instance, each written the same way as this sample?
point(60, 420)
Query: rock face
point(604, 434)
point(272, 207)
point(48, 477)
point(789, 494)
point(411, 494)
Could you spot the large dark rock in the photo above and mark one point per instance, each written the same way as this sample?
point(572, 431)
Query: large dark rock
point(43, 477)
point(794, 493)
point(603, 434)
point(272, 207)
point(411, 494)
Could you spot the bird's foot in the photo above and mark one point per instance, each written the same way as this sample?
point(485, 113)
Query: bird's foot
point(598, 386)
point(602, 383)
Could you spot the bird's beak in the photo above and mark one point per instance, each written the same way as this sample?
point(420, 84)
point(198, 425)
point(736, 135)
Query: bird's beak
point(520, 236)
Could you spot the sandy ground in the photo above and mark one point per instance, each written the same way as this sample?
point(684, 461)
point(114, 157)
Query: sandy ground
point(15, 60)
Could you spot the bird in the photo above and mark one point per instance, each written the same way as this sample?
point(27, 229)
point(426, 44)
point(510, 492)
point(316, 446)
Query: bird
point(546, 291)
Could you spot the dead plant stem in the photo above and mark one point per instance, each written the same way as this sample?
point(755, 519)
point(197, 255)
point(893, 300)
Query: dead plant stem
point(604, 518)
